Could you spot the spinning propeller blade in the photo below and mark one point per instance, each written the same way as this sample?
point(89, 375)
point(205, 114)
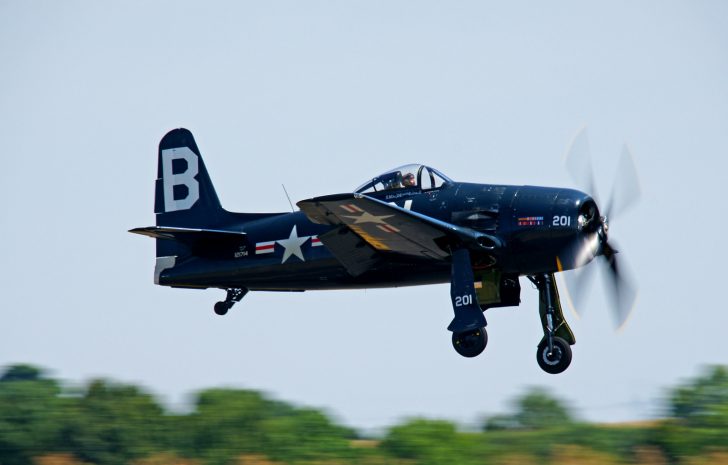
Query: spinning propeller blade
point(578, 163)
point(626, 192)
point(578, 281)
point(623, 293)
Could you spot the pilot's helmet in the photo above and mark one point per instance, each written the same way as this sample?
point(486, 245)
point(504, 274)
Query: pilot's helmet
point(408, 180)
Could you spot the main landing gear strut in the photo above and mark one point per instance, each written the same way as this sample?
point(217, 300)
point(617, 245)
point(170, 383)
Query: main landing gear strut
point(233, 295)
point(469, 337)
point(554, 351)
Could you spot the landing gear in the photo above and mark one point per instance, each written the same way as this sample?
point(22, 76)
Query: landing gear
point(554, 350)
point(554, 360)
point(221, 308)
point(468, 326)
point(233, 295)
point(469, 337)
point(470, 343)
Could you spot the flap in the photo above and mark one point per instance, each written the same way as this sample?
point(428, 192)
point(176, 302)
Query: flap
point(350, 250)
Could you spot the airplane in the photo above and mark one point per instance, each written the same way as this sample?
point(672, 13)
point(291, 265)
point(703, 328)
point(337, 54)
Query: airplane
point(409, 226)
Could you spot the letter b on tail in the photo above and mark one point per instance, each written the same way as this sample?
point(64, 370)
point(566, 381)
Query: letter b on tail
point(181, 189)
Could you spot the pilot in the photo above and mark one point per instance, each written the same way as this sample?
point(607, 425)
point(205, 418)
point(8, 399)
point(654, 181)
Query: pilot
point(394, 184)
point(408, 180)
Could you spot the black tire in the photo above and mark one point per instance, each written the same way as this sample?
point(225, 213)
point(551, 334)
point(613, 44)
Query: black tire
point(221, 308)
point(470, 343)
point(558, 361)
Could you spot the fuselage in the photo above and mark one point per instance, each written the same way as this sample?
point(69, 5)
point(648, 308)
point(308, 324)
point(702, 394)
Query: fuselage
point(537, 226)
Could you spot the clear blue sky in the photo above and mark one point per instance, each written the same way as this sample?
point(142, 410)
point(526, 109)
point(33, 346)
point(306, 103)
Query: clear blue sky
point(321, 96)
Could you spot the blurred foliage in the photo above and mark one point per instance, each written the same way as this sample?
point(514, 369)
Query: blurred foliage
point(57, 459)
point(577, 455)
point(536, 409)
point(703, 402)
point(166, 458)
point(113, 424)
point(31, 414)
point(697, 416)
point(429, 442)
point(107, 423)
point(711, 458)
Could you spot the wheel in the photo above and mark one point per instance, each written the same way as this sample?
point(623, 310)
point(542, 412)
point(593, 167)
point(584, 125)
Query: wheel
point(222, 308)
point(470, 343)
point(557, 361)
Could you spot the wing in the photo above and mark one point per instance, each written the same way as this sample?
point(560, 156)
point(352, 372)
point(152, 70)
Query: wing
point(387, 228)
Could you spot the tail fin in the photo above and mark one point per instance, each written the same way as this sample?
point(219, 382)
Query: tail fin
point(190, 219)
point(184, 194)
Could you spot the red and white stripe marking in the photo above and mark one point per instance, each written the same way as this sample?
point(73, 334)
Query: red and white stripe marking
point(387, 228)
point(265, 247)
point(316, 242)
point(351, 208)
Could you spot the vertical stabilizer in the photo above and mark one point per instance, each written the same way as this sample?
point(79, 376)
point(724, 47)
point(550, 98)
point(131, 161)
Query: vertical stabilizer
point(184, 194)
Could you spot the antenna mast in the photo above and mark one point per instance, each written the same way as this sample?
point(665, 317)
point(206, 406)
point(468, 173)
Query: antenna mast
point(288, 197)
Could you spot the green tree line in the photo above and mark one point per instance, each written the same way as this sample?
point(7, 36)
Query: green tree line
point(109, 423)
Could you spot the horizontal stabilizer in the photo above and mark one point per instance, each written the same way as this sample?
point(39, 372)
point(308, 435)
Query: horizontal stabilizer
point(202, 242)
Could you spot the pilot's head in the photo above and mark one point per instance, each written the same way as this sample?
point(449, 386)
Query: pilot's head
point(408, 180)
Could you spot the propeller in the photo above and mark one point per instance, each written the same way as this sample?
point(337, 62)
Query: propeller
point(594, 244)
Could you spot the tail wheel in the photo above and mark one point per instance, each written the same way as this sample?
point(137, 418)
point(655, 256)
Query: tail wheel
point(558, 360)
point(470, 343)
point(221, 308)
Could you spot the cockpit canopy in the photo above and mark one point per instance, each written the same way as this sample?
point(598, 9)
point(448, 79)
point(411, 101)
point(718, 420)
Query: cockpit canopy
point(413, 176)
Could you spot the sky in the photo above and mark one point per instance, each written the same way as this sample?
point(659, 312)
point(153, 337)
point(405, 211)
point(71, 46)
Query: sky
point(321, 96)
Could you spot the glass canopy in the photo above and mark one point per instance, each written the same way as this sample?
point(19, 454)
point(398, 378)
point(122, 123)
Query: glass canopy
point(413, 176)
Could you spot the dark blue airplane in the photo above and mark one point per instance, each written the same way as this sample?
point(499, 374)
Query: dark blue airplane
point(409, 226)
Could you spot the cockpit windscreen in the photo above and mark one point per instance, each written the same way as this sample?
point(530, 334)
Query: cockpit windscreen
point(413, 176)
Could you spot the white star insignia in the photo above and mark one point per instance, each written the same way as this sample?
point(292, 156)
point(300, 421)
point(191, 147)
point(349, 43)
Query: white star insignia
point(367, 217)
point(292, 245)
